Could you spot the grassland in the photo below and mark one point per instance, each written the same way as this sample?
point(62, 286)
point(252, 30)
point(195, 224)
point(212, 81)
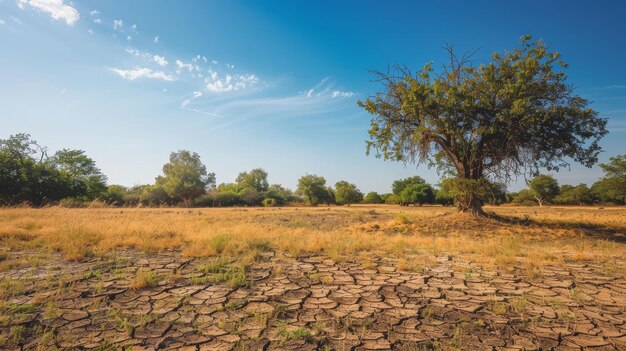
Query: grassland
point(60, 268)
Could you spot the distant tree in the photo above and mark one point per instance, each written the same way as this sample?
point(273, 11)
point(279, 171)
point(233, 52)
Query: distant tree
point(612, 187)
point(250, 196)
point(400, 184)
point(525, 197)
point(115, 195)
point(347, 193)
point(444, 197)
point(87, 180)
point(544, 188)
point(514, 114)
point(280, 194)
point(373, 198)
point(256, 179)
point(417, 194)
point(185, 176)
point(313, 189)
point(575, 195)
point(392, 199)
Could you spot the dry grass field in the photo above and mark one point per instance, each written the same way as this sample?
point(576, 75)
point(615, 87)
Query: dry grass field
point(337, 278)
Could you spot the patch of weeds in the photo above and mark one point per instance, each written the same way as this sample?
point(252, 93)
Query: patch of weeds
point(22, 308)
point(426, 313)
point(402, 218)
point(518, 304)
point(235, 305)
point(144, 279)
point(10, 288)
point(300, 333)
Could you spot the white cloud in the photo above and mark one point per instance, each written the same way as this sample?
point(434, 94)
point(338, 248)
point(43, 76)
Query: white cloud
point(181, 65)
point(94, 12)
point(57, 9)
point(2, 21)
point(186, 102)
point(214, 62)
point(342, 94)
point(230, 83)
point(118, 24)
point(129, 38)
point(90, 31)
point(97, 21)
point(160, 60)
point(134, 28)
point(142, 72)
point(156, 40)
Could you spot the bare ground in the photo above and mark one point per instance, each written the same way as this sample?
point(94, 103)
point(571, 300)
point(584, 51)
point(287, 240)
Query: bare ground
point(133, 300)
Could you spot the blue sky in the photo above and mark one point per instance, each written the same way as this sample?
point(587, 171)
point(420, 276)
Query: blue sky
point(271, 84)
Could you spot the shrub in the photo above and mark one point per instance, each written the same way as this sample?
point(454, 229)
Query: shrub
point(269, 202)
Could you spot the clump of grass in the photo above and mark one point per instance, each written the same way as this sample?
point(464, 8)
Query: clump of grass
point(144, 279)
point(402, 218)
point(300, 333)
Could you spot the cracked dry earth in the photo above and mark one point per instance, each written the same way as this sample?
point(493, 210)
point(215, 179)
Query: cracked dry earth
point(311, 303)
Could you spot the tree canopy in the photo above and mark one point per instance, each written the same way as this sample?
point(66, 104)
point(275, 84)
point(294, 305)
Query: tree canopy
point(544, 188)
point(314, 190)
point(347, 193)
point(185, 176)
point(255, 179)
point(512, 115)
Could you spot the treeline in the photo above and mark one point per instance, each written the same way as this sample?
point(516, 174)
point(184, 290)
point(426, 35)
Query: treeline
point(544, 189)
point(28, 175)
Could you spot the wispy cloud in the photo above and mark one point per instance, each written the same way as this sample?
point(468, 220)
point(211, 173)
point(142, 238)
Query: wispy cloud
point(57, 9)
point(160, 60)
point(215, 84)
point(142, 72)
point(155, 40)
point(118, 24)
point(614, 86)
point(2, 21)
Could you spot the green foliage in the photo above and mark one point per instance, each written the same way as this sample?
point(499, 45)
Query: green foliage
point(612, 188)
point(255, 179)
point(85, 177)
point(392, 199)
point(373, 198)
point(115, 194)
point(399, 185)
point(251, 196)
point(28, 175)
point(185, 176)
point(444, 197)
point(269, 202)
point(313, 189)
point(525, 197)
point(544, 188)
point(347, 193)
point(575, 195)
point(512, 114)
point(417, 194)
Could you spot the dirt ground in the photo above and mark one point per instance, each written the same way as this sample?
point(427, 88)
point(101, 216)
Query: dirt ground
point(137, 299)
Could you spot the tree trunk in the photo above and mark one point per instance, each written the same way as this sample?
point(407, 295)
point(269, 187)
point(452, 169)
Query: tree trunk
point(471, 205)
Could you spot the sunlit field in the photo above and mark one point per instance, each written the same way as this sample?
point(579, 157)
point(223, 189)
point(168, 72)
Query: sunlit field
point(96, 272)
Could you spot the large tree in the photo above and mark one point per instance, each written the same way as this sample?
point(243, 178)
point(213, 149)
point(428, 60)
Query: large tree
point(514, 114)
point(185, 176)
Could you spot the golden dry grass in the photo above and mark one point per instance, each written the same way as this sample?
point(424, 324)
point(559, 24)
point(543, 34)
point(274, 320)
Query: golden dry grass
point(541, 235)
